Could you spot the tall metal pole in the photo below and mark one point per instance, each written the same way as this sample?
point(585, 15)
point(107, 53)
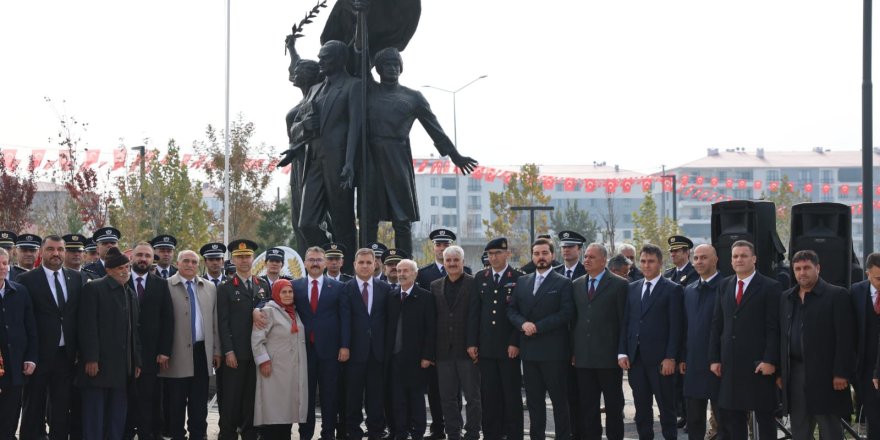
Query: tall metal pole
point(142, 150)
point(867, 137)
point(226, 136)
point(454, 113)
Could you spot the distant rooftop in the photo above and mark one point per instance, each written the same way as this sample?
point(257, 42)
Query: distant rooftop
point(816, 158)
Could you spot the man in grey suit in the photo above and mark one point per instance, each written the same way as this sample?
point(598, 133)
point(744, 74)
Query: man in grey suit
point(599, 300)
point(542, 308)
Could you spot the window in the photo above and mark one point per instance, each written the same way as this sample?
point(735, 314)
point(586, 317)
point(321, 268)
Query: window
point(773, 175)
point(474, 222)
point(435, 220)
point(474, 185)
point(744, 174)
point(627, 234)
point(450, 202)
point(827, 176)
point(849, 174)
point(474, 202)
point(435, 182)
point(450, 221)
point(434, 200)
point(560, 187)
point(449, 183)
point(695, 213)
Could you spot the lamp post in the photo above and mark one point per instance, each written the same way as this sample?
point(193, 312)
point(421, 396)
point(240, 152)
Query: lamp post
point(454, 116)
point(867, 136)
point(531, 210)
point(141, 149)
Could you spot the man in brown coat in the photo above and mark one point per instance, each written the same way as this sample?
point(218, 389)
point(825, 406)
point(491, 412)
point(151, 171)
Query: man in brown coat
point(456, 298)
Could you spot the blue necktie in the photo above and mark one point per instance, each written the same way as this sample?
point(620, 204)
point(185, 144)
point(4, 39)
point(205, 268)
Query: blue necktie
point(192, 309)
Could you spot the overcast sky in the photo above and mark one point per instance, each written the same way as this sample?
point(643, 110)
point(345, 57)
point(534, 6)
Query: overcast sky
point(635, 83)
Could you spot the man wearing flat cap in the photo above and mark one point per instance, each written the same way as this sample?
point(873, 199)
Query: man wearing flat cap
point(109, 347)
point(163, 246)
point(496, 342)
point(334, 254)
point(274, 264)
point(105, 238)
point(26, 248)
point(213, 253)
point(74, 245)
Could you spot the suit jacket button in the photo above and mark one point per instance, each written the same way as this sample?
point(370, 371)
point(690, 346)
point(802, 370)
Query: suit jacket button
point(494, 312)
point(493, 322)
point(495, 302)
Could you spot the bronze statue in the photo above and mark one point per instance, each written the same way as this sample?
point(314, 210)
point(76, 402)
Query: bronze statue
point(390, 178)
point(390, 23)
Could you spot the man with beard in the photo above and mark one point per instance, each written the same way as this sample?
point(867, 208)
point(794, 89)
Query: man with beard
point(164, 246)
point(156, 329)
point(73, 251)
point(54, 293)
point(26, 248)
point(213, 254)
point(542, 308)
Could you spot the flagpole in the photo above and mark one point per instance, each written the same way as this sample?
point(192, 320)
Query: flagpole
point(226, 136)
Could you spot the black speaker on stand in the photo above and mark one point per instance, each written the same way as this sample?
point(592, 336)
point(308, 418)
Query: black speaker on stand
point(753, 221)
point(826, 228)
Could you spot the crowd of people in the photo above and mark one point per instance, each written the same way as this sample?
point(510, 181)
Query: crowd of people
point(98, 343)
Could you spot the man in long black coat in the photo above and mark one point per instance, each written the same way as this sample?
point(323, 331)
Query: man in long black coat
point(744, 345)
point(817, 332)
point(866, 304)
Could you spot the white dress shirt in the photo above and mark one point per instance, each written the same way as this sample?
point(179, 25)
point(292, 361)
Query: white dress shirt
point(50, 277)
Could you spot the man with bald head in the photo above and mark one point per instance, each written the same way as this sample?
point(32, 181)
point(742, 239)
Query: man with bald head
point(700, 385)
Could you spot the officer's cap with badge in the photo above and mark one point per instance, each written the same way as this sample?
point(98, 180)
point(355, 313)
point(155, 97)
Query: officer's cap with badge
point(571, 238)
point(213, 250)
point(28, 241)
point(275, 254)
point(393, 256)
point(377, 248)
point(242, 247)
point(7, 239)
point(499, 243)
point(74, 242)
point(164, 241)
point(333, 250)
point(90, 245)
point(107, 234)
point(679, 242)
point(442, 236)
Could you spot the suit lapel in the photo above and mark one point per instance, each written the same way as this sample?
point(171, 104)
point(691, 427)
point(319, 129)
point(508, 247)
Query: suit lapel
point(750, 291)
point(330, 100)
point(599, 286)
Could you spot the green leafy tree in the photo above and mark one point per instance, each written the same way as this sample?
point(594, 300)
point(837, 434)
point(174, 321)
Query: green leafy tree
point(648, 227)
point(275, 228)
point(575, 219)
point(784, 198)
point(524, 189)
point(248, 178)
point(168, 201)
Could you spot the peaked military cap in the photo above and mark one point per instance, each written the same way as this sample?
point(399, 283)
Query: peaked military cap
point(571, 238)
point(28, 241)
point(242, 247)
point(107, 233)
point(442, 236)
point(496, 243)
point(164, 241)
point(377, 248)
point(679, 242)
point(275, 254)
point(333, 250)
point(74, 242)
point(213, 250)
point(90, 245)
point(393, 256)
point(7, 239)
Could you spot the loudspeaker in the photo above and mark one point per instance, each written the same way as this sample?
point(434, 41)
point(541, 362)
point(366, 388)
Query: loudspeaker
point(825, 228)
point(753, 221)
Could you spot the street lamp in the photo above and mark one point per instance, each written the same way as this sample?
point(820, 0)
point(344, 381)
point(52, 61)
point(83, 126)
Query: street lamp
point(454, 92)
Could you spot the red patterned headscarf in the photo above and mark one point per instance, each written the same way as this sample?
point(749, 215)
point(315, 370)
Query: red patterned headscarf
point(290, 309)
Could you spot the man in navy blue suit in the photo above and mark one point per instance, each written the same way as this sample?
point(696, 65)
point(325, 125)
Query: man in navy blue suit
point(364, 377)
point(326, 314)
point(650, 340)
point(866, 304)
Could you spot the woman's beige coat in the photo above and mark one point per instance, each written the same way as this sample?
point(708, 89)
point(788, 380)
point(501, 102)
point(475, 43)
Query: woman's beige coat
point(282, 397)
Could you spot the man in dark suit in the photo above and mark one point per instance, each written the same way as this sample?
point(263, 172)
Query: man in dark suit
point(326, 315)
point(156, 329)
point(109, 348)
point(542, 308)
point(600, 301)
point(410, 341)
point(650, 342)
point(333, 128)
point(866, 304)
point(55, 311)
point(18, 346)
point(744, 345)
point(236, 300)
point(629, 251)
point(27, 246)
point(700, 385)
point(497, 343)
point(817, 349)
point(442, 239)
point(455, 298)
point(163, 247)
point(105, 238)
point(529, 267)
point(364, 372)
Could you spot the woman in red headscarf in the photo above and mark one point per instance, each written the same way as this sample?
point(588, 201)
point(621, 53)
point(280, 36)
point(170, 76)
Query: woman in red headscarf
point(280, 353)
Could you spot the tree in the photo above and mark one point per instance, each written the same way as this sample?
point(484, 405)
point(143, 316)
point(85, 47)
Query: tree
point(524, 189)
point(784, 197)
point(609, 231)
point(167, 201)
point(275, 228)
point(16, 195)
point(247, 178)
point(574, 219)
point(92, 203)
point(648, 227)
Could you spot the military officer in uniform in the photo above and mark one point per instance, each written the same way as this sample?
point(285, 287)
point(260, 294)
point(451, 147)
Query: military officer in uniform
point(26, 248)
point(104, 238)
point(213, 254)
point(91, 249)
point(73, 251)
point(378, 249)
point(164, 246)
point(497, 343)
point(236, 300)
point(334, 254)
point(571, 243)
point(7, 242)
point(390, 258)
point(274, 264)
point(529, 267)
point(683, 271)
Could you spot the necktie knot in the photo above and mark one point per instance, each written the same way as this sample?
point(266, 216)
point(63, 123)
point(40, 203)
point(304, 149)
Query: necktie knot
point(568, 273)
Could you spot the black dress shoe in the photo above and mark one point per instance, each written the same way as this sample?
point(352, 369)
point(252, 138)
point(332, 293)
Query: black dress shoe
point(436, 436)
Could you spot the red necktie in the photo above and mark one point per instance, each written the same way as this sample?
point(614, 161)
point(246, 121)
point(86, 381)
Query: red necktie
point(313, 301)
point(739, 291)
point(877, 304)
